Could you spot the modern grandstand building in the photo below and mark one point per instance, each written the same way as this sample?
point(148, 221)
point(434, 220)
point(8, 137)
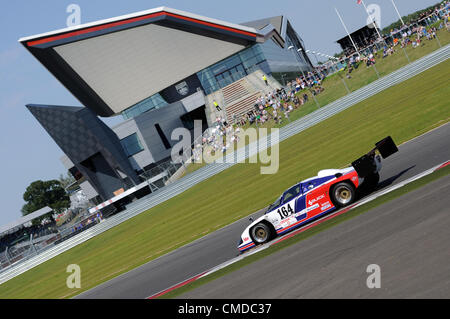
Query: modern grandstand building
point(160, 69)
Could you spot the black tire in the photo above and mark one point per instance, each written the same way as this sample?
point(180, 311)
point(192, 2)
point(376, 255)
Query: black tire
point(342, 194)
point(260, 233)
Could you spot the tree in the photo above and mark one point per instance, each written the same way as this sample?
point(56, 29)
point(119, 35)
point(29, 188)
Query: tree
point(66, 180)
point(45, 193)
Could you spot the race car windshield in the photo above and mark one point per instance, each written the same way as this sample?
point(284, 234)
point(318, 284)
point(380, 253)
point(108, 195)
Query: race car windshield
point(291, 193)
point(275, 204)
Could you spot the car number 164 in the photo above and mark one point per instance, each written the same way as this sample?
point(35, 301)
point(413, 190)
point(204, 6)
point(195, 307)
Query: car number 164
point(285, 211)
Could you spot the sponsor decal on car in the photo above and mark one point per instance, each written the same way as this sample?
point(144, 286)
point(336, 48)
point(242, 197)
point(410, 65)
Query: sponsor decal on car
point(312, 201)
point(325, 206)
point(312, 207)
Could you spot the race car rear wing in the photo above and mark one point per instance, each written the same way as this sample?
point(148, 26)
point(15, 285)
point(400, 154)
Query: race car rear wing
point(366, 165)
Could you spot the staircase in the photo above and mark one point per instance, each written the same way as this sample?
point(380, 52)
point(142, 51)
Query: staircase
point(236, 91)
point(239, 97)
point(242, 106)
point(255, 80)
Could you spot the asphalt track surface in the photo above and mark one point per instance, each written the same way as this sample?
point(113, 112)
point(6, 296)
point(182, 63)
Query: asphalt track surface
point(408, 238)
point(205, 253)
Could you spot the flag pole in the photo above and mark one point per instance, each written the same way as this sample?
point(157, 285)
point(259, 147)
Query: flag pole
point(398, 12)
point(353, 42)
point(403, 23)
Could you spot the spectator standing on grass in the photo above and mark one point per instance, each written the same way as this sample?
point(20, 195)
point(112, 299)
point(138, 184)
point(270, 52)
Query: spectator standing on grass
point(433, 33)
point(447, 21)
point(286, 114)
point(277, 105)
point(275, 115)
point(290, 108)
point(296, 102)
point(371, 59)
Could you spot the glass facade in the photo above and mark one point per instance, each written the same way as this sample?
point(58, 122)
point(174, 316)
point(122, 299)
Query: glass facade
point(131, 145)
point(231, 69)
point(286, 64)
point(155, 101)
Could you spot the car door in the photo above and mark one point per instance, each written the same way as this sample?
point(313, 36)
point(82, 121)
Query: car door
point(317, 201)
point(285, 214)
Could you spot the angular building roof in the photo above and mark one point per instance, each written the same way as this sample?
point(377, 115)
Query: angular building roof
point(82, 136)
point(277, 22)
point(110, 65)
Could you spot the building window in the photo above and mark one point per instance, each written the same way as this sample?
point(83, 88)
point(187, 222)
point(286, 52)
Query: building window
point(155, 101)
point(76, 173)
point(230, 69)
point(131, 145)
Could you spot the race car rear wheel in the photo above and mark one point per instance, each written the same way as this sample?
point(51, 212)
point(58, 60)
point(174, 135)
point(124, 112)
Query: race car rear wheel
point(260, 233)
point(342, 194)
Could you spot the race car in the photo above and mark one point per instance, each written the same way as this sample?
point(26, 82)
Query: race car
point(315, 197)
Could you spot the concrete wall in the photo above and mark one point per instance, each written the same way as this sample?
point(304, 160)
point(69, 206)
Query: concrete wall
point(168, 118)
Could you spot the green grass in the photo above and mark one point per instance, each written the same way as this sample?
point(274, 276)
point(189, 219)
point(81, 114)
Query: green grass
point(404, 111)
point(335, 88)
point(310, 232)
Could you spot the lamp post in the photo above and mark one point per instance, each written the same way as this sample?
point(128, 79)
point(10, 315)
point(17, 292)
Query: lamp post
point(403, 23)
point(314, 53)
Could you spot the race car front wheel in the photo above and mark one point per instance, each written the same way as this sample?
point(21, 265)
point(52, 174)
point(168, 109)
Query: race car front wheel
point(260, 233)
point(342, 194)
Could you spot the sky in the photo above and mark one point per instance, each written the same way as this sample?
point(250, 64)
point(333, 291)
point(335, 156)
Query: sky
point(27, 151)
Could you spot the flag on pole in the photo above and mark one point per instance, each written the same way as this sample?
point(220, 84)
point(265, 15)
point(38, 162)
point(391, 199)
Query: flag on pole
point(358, 1)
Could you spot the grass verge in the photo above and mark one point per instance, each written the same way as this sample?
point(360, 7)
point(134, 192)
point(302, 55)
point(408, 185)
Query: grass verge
point(310, 232)
point(403, 111)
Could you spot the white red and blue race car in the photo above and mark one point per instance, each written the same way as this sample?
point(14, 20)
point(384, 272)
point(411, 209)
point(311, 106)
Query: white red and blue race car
point(312, 198)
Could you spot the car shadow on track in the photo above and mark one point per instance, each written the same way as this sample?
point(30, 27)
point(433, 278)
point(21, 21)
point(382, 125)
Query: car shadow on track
point(387, 182)
point(392, 179)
